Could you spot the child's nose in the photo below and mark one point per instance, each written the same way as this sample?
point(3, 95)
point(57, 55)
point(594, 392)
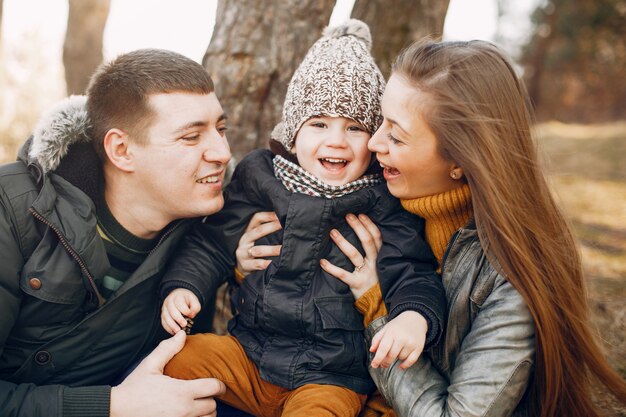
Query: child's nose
point(336, 137)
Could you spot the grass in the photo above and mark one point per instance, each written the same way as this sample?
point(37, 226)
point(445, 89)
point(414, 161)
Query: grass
point(587, 169)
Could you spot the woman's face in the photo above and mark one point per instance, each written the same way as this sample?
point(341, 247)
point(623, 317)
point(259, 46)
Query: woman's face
point(406, 147)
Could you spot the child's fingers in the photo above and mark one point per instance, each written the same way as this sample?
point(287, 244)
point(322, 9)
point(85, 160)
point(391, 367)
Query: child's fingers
point(182, 305)
point(376, 340)
point(166, 326)
point(392, 354)
point(381, 353)
point(177, 315)
point(194, 307)
point(410, 360)
point(169, 324)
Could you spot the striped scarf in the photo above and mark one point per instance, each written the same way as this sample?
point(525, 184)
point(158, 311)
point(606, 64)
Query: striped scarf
point(297, 180)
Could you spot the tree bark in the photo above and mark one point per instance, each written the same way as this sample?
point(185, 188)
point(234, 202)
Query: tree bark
point(255, 48)
point(82, 51)
point(396, 23)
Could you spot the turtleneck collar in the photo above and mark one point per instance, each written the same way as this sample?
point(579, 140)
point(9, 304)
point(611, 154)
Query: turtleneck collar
point(444, 213)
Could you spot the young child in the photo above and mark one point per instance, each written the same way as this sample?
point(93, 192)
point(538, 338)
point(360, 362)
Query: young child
point(296, 344)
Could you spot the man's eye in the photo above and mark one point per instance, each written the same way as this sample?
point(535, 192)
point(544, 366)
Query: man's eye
point(191, 137)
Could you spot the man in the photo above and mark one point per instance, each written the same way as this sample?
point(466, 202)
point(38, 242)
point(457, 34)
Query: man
point(89, 216)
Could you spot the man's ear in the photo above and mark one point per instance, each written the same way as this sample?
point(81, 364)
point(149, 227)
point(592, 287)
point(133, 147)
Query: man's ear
point(117, 150)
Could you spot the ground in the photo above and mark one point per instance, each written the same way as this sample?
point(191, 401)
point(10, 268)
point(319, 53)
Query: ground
point(587, 167)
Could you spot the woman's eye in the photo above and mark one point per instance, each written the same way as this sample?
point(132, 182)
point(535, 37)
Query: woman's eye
point(393, 139)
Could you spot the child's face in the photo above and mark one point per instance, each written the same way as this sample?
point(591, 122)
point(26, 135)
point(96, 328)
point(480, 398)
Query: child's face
point(334, 149)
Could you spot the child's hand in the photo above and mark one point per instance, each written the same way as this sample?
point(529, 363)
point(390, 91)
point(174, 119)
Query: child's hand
point(178, 305)
point(402, 338)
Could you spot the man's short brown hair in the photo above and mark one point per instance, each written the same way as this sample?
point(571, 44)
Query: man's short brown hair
point(117, 96)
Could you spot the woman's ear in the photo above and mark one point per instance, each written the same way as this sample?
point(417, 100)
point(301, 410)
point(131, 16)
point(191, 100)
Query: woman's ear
point(117, 150)
point(456, 172)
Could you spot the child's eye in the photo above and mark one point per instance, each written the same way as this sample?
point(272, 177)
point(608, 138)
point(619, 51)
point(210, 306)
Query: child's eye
point(321, 125)
point(356, 129)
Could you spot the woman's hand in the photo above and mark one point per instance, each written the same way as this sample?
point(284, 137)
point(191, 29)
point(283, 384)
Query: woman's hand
point(364, 275)
point(249, 257)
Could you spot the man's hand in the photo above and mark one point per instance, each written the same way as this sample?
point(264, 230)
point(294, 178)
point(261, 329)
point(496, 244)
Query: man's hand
point(402, 338)
point(251, 258)
point(147, 392)
point(179, 304)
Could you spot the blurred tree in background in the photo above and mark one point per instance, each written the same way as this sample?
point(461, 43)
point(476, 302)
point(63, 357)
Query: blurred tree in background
point(396, 23)
point(256, 47)
point(82, 51)
point(575, 62)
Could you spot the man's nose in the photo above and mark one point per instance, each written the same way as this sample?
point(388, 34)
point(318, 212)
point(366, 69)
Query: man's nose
point(218, 151)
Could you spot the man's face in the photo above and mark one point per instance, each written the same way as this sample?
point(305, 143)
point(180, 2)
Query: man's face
point(180, 167)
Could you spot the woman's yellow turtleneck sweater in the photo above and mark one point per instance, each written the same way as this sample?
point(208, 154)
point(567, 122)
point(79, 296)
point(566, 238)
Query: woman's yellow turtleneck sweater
point(444, 214)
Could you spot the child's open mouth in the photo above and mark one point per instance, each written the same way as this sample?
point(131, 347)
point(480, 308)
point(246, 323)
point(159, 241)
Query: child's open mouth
point(332, 164)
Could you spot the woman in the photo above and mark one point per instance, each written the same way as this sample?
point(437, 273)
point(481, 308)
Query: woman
point(456, 148)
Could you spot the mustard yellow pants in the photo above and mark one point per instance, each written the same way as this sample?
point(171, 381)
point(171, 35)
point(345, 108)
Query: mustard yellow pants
point(223, 357)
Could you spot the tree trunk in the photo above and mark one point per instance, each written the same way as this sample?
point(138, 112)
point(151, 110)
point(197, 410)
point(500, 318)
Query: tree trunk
point(396, 23)
point(255, 48)
point(82, 51)
point(537, 60)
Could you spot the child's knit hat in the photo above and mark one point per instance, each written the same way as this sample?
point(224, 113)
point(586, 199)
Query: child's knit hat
point(339, 78)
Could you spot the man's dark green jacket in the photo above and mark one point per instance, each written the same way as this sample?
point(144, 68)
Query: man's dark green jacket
point(61, 345)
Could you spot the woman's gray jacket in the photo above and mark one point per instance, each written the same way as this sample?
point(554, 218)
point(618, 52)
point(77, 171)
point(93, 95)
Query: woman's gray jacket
point(484, 363)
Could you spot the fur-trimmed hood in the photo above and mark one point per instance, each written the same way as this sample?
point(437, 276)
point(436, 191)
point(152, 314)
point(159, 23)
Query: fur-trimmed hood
point(61, 145)
point(60, 127)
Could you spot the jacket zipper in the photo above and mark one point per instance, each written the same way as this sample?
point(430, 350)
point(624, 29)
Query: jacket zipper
point(72, 253)
point(163, 236)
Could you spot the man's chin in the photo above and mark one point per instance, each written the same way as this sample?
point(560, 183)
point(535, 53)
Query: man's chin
point(215, 205)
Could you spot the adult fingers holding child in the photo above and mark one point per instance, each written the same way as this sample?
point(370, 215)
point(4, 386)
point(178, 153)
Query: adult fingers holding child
point(364, 275)
point(253, 258)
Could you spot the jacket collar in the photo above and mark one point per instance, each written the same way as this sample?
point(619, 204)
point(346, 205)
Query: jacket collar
point(60, 145)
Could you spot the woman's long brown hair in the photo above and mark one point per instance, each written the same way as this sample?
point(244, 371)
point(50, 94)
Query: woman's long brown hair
point(480, 114)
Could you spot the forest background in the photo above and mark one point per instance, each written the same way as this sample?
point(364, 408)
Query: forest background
point(572, 55)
